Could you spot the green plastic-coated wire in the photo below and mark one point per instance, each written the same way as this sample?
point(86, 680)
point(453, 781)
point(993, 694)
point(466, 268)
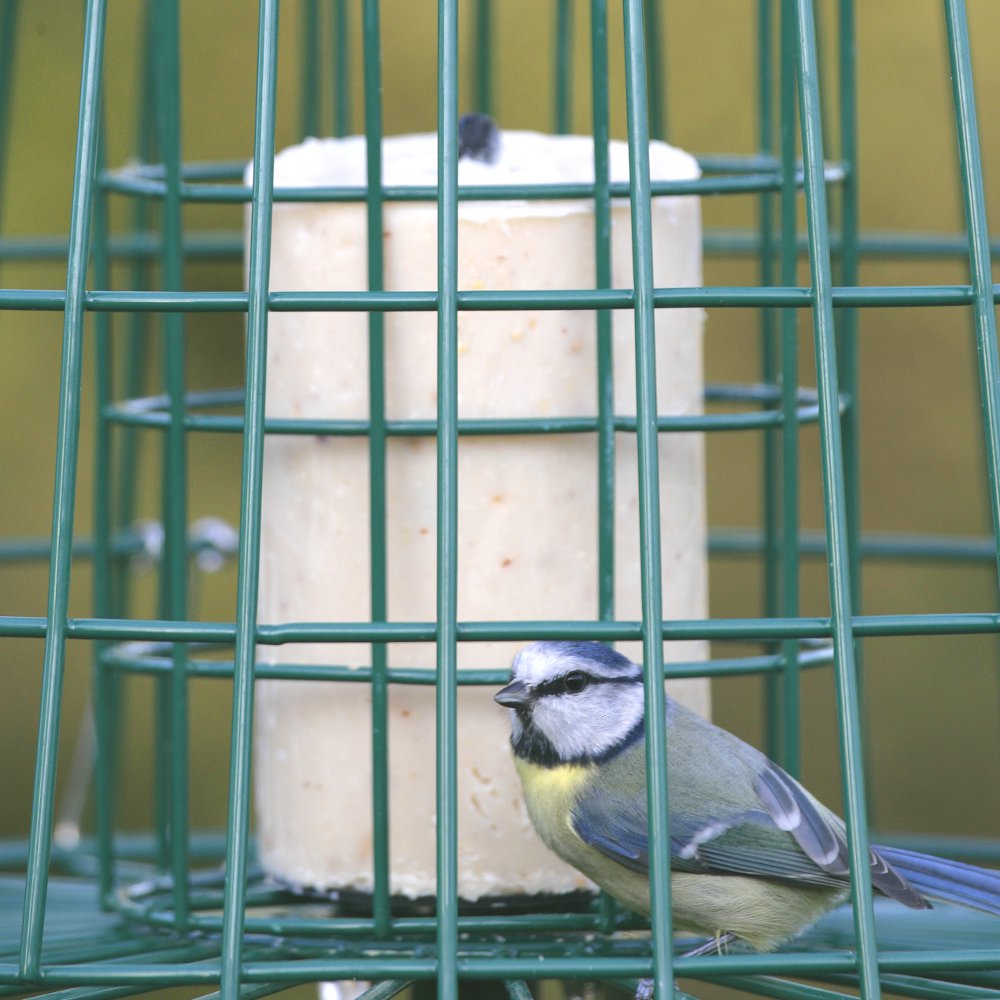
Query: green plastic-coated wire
point(377, 465)
point(446, 630)
point(562, 112)
point(8, 51)
point(67, 445)
point(605, 347)
point(173, 567)
point(484, 42)
point(656, 68)
point(771, 466)
point(309, 72)
point(838, 559)
point(105, 699)
point(786, 706)
point(649, 496)
point(250, 501)
point(341, 68)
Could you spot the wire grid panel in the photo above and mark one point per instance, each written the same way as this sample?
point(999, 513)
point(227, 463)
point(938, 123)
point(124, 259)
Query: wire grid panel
point(240, 933)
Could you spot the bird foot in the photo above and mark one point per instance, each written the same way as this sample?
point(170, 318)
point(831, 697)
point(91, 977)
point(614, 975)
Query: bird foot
point(644, 991)
point(714, 946)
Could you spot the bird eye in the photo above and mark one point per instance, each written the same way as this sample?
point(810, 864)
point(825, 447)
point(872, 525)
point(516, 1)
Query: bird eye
point(576, 681)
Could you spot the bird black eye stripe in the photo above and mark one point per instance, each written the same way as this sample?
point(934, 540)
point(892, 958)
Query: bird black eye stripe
point(571, 683)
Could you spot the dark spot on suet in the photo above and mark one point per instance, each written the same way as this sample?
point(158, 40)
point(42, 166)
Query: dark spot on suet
point(478, 138)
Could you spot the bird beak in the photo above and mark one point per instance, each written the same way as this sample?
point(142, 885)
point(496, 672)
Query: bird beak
point(516, 694)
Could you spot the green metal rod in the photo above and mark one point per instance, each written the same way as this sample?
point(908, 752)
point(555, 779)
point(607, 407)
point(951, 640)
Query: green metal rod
point(67, 445)
point(521, 967)
point(155, 662)
point(250, 503)
point(228, 194)
point(104, 699)
point(228, 245)
point(484, 43)
point(605, 387)
point(841, 598)
point(563, 96)
point(849, 276)
point(174, 573)
point(377, 467)
point(341, 68)
point(603, 279)
point(139, 343)
point(770, 371)
point(8, 52)
point(162, 700)
point(968, 623)
point(130, 416)
point(848, 355)
point(656, 69)
point(309, 85)
point(980, 264)
point(738, 297)
point(216, 170)
point(728, 541)
point(446, 631)
point(787, 739)
point(649, 498)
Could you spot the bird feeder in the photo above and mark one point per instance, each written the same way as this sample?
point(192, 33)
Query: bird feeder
point(336, 431)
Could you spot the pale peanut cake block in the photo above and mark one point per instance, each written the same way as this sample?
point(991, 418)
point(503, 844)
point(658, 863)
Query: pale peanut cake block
point(528, 536)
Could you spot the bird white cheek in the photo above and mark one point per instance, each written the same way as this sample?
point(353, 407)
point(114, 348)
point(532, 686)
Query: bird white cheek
point(589, 723)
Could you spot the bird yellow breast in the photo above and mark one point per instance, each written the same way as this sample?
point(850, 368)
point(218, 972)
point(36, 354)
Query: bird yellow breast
point(550, 793)
point(562, 781)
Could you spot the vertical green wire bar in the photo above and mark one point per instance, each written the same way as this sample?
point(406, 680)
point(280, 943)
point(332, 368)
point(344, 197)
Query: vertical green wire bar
point(104, 700)
point(138, 321)
point(341, 69)
point(980, 264)
point(483, 44)
point(838, 552)
point(605, 347)
point(67, 447)
point(847, 341)
point(250, 502)
point(656, 65)
point(849, 267)
point(790, 752)
point(377, 469)
point(162, 727)
point(605, 344)
point(563, 106)
point(309, 95)
point(771, 473)
point(649, 496)
point(108, 692)
point(8, 32)
point(174, 599)
point(447, 499)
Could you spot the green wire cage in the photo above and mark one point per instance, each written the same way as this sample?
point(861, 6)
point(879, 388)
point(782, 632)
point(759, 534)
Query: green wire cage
point(99, 899)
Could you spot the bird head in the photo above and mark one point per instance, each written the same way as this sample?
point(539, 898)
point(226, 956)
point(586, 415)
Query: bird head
point(572, 702)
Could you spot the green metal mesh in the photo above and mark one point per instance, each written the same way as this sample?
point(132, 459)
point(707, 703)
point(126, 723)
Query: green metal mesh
point(163, 914)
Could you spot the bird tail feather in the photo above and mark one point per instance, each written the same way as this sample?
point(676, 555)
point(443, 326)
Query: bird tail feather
point(947, 881)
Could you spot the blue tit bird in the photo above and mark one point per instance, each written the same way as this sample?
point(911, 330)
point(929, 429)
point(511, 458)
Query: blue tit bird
point(753, 856)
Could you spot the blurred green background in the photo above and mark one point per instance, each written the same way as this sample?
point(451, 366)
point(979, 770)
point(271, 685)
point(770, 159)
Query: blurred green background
point(934, 702)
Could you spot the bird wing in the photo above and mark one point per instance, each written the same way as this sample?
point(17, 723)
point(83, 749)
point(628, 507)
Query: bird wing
point(787, 837)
